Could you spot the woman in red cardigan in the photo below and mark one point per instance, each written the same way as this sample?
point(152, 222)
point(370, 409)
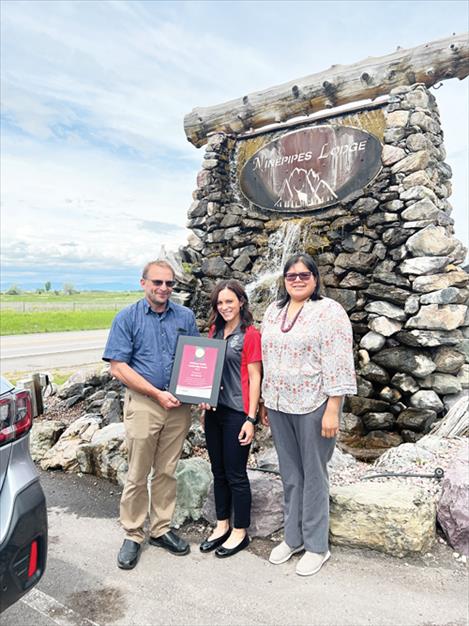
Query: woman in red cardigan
point(229, 429)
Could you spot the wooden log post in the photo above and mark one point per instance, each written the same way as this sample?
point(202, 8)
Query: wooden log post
point(428, 63)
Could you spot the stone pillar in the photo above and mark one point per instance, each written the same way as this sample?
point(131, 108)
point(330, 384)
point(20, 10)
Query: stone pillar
point(388, 254)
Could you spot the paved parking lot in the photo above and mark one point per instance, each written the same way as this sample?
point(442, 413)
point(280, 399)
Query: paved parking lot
point(83, 586)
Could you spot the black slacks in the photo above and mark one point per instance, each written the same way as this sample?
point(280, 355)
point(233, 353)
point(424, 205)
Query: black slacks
point(229, 461)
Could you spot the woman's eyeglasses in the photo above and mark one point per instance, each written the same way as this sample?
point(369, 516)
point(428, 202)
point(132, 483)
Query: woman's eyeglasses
point(292, 276)
point(159, 283)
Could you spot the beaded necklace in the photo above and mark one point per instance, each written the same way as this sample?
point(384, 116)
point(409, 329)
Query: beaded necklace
point(285, 325)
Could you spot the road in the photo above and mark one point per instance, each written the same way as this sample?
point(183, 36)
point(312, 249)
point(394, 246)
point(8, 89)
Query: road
point(47, 351)
point(83, 586)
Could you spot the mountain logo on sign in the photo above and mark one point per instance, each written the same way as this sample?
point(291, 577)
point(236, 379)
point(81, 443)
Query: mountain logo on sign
point(303, 188)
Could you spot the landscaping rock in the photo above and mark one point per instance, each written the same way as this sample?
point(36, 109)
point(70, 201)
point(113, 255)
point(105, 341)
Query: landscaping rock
point(387, 309)
point(44, 434)
point(438, 317)
point(416, 419)
point(404, 382)
point(71, 389)
point(382, 517)
point(453, 511)
point(372, 341)
point(267, 504)
point(193, 478)
point(430, 241)
point(424, 265)
point(405, 360)
point(448, 360)
point(425, 284)
point(426, 399)
point(63, 455)
point(111, 408)
point(378, 421)
point(384, 326)
point(106, 454)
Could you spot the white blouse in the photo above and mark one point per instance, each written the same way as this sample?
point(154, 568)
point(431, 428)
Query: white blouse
point(311, 362)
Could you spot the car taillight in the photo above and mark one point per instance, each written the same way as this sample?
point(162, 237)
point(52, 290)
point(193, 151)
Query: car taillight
point(32, 567)
point(15, 415)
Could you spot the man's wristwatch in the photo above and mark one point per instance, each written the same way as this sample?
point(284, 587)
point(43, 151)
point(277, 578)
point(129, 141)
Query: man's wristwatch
point(252, 420)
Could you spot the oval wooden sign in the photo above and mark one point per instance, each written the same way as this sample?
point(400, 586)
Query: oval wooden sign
point(310, 168)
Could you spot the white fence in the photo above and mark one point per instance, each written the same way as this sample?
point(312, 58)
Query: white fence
point(29, 307)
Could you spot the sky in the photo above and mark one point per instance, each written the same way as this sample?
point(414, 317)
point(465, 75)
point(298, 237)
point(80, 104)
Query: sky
point(96, 171)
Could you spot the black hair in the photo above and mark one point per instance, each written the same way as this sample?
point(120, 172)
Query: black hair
point(309, 262)
point(236, 287)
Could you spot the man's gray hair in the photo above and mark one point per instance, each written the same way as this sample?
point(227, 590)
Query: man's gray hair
point(158, 263)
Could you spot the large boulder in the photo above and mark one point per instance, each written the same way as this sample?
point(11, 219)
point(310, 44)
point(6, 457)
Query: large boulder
point(63, 455)
point(382, 516)
point(266, 508)
point(44, 434)
point(453, 511)
point(106, 454)
point(193, 478)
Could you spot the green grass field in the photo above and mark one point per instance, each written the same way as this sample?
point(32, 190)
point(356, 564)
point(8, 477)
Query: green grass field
point(49, 312)
point(88, 297)
point(14, 323)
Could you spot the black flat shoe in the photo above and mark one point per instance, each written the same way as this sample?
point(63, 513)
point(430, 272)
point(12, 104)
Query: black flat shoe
point(128, 554)
point(210, 544)
point(171, 542)
point(222, 552)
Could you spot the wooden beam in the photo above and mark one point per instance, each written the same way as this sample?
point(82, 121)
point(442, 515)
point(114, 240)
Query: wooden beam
point(428, 63)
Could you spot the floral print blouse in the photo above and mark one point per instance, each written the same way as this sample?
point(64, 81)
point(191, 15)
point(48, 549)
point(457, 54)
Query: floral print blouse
point(311, 362)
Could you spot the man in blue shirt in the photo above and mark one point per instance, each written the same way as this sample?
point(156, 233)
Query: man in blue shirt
point(141, 348)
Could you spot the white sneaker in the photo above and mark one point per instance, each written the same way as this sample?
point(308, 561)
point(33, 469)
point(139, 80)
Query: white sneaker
point(310, 563)
point(282, 552)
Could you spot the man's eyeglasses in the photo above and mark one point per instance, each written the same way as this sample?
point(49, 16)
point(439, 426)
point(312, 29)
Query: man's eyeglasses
point(159, 283)
point(292, 276)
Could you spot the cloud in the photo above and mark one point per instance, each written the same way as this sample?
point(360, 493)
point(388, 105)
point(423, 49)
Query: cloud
point(162, 228)
point(96, 170)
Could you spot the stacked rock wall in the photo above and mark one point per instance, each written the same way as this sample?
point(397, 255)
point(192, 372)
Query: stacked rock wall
point(388, 254)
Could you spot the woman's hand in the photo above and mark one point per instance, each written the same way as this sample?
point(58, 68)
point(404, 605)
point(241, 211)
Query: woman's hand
point(202, 419)
point(246, 434)
point(263, 416)
point(330, 425)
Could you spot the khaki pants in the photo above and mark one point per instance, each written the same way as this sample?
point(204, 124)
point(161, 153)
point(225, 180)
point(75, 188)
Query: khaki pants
point(155, 437)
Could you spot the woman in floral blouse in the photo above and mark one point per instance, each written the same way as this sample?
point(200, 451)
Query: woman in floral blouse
point(308, 369)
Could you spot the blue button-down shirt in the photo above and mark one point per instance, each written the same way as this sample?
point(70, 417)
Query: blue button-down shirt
point(146, 340)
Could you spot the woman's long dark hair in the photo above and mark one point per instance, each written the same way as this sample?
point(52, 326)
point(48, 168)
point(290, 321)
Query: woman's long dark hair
point(307, 260)
point(237, 288)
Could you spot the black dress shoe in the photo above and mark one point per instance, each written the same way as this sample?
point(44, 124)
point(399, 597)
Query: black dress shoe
point(222, 552)
point(210, 544)
point(128, 554)
point(171, 542)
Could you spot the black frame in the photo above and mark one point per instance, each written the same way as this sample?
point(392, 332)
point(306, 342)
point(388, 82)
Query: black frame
point(184, 340)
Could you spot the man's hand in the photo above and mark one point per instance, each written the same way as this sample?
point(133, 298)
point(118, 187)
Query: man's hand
point(330, 425)
point(167, 400)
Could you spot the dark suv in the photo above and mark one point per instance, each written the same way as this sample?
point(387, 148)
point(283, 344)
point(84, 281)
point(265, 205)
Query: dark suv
point(23, 516)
